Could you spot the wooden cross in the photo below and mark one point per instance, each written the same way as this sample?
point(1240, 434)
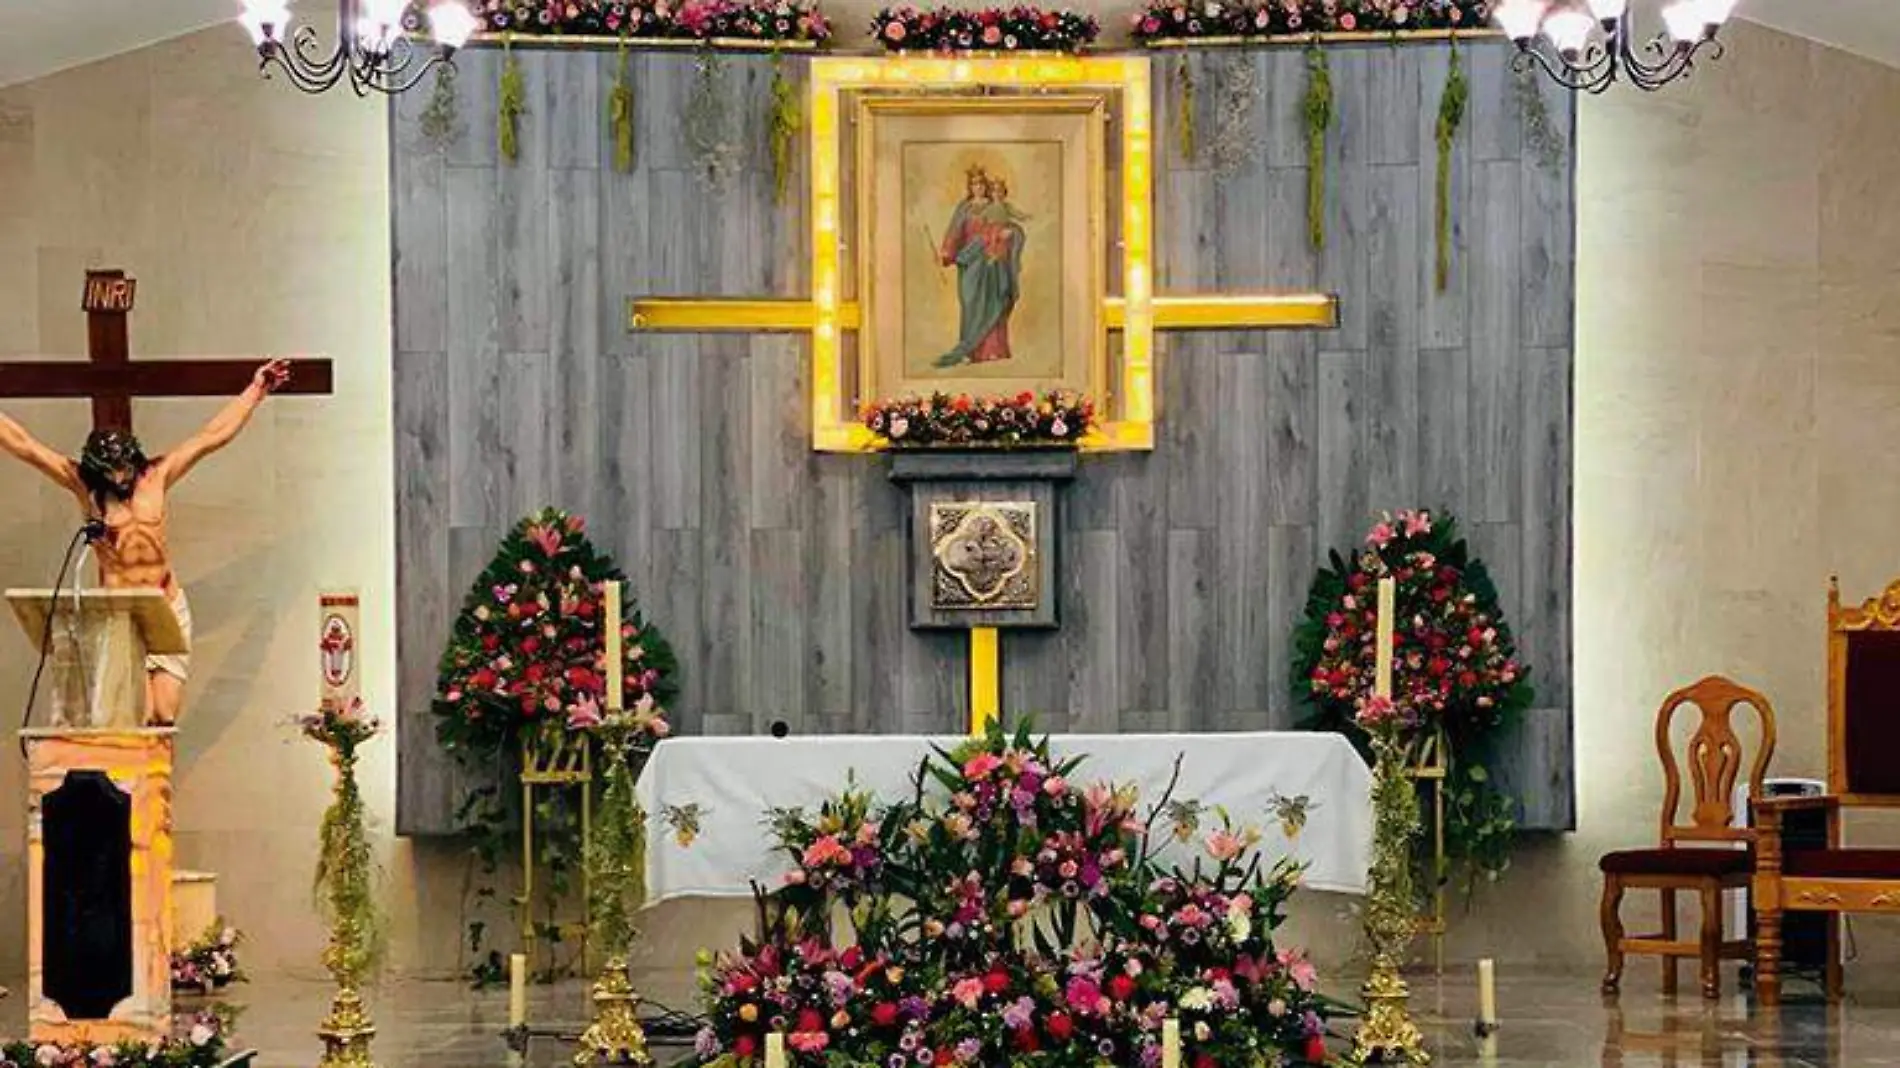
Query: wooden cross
point(110, 378)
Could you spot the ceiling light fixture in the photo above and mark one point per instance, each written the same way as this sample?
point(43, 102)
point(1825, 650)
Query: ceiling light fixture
point(1590, 45)
point(371, 49)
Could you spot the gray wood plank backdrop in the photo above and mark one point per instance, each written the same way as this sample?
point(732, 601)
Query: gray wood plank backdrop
point(778, 574)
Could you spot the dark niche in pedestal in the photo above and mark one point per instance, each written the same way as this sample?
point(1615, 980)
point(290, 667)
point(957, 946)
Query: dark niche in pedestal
point(86, 952)
point(982, 535)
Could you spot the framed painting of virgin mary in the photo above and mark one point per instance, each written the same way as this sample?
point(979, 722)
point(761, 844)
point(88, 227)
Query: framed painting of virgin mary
point(981, 243)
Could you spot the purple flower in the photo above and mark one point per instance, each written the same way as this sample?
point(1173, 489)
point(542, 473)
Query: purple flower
point(914, 1007)
point(969, 1050)
point(706, 1044)
point(908, 1043)
point(1018, 1015)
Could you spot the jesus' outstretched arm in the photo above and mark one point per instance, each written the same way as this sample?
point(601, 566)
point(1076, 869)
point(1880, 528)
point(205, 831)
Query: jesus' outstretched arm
point(224, 426)
point(37, 454)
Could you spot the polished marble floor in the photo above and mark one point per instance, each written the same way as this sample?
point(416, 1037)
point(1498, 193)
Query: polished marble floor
point(1550, 1020)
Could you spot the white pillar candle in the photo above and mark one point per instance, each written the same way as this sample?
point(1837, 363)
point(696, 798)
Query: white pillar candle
point(610, 592)
point(1487, 993)
point(1382, 677)
point(775, 1050)
point(517, 989)
point(1171, 1043)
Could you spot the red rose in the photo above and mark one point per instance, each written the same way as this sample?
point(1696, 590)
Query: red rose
point(996, 982)
point(810, 1020)
point(744, 1046)
point(587, 610)
point(1316, 1049)
point(851, 958)
point(884, 1014)
point(1060, 1026)
point(1121, 988)
point(1202, 1060)
point(530, 645)
point(490, 643)
point(1025, 1039)
point(1467, 679)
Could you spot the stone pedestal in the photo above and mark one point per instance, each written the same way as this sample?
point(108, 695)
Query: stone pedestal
point(194, 905)
point(99, 853)
point(982, 535)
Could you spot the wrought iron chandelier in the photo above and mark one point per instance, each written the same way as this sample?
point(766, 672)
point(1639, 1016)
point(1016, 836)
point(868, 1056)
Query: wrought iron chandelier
point(371, 50)
point(1590, 45)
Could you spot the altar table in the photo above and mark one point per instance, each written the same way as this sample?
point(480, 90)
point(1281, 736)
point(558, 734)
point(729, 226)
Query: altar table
point(1260, 778)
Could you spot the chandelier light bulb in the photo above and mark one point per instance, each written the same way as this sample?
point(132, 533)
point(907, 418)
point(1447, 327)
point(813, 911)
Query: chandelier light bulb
point(1608, 10)
point(1716, 12)
point(265, 20)
point(1685, 21)
point(1569, 30)
point(452, 24)
point(1519, 19)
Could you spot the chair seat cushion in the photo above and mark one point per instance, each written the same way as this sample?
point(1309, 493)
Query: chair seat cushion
point(1697, 861)
point(1843, 863)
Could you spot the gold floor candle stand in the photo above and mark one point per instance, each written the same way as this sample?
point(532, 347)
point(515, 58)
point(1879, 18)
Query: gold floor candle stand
point(615, 1036)
point(344, 879)
point(1387, 1034)
point(616, 872)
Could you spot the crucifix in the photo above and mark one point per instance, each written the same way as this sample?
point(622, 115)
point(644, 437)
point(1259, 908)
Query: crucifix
point(111, 378)
point(844, 93)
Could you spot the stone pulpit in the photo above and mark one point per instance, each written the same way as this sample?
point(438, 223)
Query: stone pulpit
point(99, 819)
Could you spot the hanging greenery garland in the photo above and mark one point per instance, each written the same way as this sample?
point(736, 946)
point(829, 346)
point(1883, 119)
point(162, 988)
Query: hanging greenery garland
point(714, 148)
point(1540, 133)
point(513, 102)
point(1318, 109)
point(440, 123)
point(1184, 77)
point(1456, 676)
point(787, 119)
point(1451, 115)
point(620, 111)
point(1234, 141)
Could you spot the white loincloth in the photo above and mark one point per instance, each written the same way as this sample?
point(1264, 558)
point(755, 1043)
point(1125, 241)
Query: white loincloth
point(178, 666)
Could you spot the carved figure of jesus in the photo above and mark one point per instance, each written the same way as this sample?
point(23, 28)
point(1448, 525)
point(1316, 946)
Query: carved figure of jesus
point(118, 487)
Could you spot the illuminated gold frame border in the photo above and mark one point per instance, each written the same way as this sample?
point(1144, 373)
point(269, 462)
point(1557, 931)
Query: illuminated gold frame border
point(833, 428)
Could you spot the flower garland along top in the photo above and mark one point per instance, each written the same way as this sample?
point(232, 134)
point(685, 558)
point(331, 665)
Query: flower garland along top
point(1168, 20)
point(990, 29)
point(1455, 666)
point(748, 20)
point(941, 420)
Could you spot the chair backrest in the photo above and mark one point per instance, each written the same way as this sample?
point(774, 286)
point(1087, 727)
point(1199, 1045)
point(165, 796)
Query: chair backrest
point(1713, 758)
point(1863, 698)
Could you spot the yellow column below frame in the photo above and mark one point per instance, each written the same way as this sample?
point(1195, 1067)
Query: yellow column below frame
point(986, 678)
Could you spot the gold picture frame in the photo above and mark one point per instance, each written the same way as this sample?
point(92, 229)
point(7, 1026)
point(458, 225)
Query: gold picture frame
point(839, 86)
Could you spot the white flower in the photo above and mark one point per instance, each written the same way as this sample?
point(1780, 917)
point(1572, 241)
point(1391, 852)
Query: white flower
point(1059, 428)
point(1198, 999)
point(481, 612)
point(1201, 1031)
point(1239, 924)
point(899, 427)
point(1213, 11)
point(47, 1054)
point(201, 1034)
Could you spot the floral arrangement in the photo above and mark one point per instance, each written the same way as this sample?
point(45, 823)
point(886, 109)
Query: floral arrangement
point(1456, 678)
point(990, 29)
point(1005, 914)
point(749, 20)
point(340, 728)
point(528, 648)
point(201, 1045)
point(1163, 20)
point(942, 420)
point(210, 962)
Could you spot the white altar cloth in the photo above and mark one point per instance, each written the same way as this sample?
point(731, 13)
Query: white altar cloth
point(734, 781)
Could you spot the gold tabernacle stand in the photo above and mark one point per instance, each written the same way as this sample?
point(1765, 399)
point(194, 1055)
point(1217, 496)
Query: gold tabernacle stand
point(553, 759)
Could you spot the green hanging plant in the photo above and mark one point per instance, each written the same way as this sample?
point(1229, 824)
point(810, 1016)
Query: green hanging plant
point(620, 112)
point(1540, 134)
point(514, 103)
point(1184, 77)
point(1318, 109)
point(1451, 115)
point(440, 123)
point(711, 139)
point(787, 120)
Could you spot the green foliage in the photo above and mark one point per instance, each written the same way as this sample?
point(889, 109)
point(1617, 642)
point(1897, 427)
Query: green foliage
point(1184, 118)
point(513, 104)
point(1317, 108)
point(1451, 115)
point(344, 877)
point(620, 112)
point(616, 859)
point(787, 119)
point(440, 125)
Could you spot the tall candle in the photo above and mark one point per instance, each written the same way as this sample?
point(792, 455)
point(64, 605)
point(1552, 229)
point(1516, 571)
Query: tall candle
point(1382, 678)
point(775, 1050)
point(615, 658)
point(1171, 1043)
point(517, 989)
point(1487, 993)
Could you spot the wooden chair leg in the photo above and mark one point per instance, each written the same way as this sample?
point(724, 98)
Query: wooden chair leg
point(1768, 956)
point(1835, 980)
point(1669, 935)
point(1612, 920)
point(1711, 939)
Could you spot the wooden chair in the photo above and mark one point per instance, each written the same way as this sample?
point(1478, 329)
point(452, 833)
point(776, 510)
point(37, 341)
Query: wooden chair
point(1863, 771)
point(1714, 758)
